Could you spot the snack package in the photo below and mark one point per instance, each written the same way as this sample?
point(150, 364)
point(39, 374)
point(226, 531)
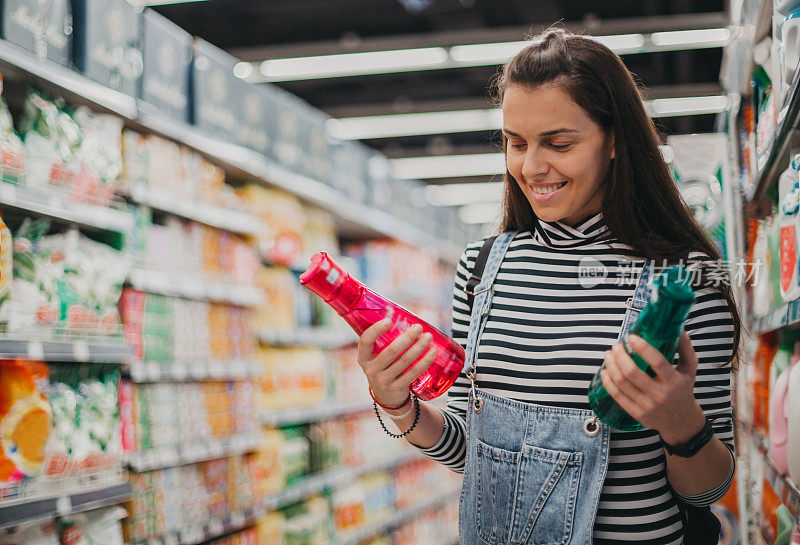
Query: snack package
point(12, 152)
point(100, 527)
point(24, 419)
point(6, 271)
point(37, 533)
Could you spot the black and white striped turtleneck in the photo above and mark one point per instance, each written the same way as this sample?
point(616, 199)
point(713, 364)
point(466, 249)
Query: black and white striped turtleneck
point(543, 342)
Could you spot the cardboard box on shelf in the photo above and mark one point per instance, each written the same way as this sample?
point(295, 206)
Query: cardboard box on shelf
point(167, 54)
point(215, 91)
point(23, 21)
point(107, 44)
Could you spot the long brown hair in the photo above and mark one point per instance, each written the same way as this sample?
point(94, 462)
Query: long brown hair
point(642, 206)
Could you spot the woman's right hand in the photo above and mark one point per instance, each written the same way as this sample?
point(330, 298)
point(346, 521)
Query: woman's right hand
point(390, 385)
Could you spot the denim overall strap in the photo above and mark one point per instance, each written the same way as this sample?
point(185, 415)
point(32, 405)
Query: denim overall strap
point(635, 305)
point(483, 297)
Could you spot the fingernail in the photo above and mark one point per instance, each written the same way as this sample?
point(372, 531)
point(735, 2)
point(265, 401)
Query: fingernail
point(427, 337)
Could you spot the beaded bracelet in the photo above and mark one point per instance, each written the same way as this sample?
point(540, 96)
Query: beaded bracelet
point(399, 416)
point(409, 430)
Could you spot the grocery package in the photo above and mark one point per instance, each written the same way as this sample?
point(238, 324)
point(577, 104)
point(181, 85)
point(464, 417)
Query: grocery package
point(13, 162)
point(24, 420)
point(98, 527)
point(37, 533)
point(660, 324)
point(65, 281)
point(292, 377)
point(205, 411)
point(43, 29)
point(307, 522)
point(77, 154)
point(6, 271)
point(86, 429)
point(361, 308)
point(348, 381)
point(283, 217)
point(171, 330)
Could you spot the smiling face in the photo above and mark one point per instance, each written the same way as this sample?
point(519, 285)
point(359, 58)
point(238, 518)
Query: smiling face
point(555, 152)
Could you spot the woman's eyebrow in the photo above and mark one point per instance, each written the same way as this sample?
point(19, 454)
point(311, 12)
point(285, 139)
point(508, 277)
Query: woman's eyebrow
point(546, 133)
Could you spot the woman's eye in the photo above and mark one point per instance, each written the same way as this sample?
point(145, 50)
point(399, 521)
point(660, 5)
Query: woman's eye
point(518, 145)
point(560, 147)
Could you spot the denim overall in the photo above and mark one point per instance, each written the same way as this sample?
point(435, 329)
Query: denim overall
point(532, 473)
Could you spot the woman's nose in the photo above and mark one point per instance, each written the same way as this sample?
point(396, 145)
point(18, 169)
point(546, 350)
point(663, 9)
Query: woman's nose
point(535, 164)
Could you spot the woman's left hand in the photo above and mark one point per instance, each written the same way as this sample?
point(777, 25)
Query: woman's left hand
point(665, 403)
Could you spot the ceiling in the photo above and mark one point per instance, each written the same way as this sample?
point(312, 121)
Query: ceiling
point(256, 30)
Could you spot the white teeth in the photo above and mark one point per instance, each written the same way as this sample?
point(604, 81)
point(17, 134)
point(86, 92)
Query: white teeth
point(548, 189)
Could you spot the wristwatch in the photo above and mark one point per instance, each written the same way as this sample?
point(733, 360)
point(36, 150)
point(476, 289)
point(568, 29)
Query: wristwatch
point(693, 445)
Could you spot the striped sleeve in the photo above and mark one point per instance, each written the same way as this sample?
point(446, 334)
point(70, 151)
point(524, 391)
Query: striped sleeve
point(451, 448)
point(710, 328)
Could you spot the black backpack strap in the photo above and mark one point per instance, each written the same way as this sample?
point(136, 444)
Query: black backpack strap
point(477, 270)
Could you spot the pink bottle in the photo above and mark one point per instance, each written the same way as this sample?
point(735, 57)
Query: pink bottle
point(362, 307)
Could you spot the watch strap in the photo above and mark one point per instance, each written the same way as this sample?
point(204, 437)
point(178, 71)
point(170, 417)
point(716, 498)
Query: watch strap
point(693, 446)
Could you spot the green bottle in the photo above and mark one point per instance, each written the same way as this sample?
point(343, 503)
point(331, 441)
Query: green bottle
point(660, 324)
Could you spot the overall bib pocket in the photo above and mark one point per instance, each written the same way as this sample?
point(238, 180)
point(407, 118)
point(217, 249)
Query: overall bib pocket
point(526, 497)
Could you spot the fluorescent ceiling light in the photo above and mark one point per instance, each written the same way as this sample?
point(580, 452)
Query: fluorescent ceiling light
point(398, 125)
point(464, 193)
point(459, 56)
point(384, 126)
point(243, 70)
point(449, 166)
point(480, 213)
point(165, 2)
point(350, 64)
point(673, 107)
point(457, 166)
point(692, 39)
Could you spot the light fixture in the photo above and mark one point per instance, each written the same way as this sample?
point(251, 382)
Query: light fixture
point(243, 70)
point(351, 64)
point(460, 56)
point(398, 125)
point(464, 193)
point(385, 126)
point(691, 39)
point(166, 2)
point(448, 166)
point(480, 213)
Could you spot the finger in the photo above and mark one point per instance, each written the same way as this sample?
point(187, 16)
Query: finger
point(420, 367)
point(662, 368)
point(687, 358)
point(624, 401)
point(366, 343)
point(409, 356)
point(623, 370)
point(389, 354)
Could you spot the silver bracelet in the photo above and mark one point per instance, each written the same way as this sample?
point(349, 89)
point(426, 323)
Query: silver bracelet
point(405, 414)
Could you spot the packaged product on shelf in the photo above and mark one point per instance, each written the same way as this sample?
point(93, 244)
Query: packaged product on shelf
point(215, 91)
point(319, 232)
point(25, 420)
point(789, 217)
point(43, 29)
point(279, 286)
point(793, 423)
point(270, 528)
point(35, 533)
point(348, 380)
point(327, 444)
point(166, 55)
point(295, 454)
point(6, 271)
point(106, 43)
point(378, 496)
point(282, 215)
point(268, 461)
point(255, 113)
point(65, 281)
point(99, 527)
point(13, 161)
point(292, 377)
point(348, 507)
point(767, 111)
point(307, 522)
point(86, 430)
point(99, 157)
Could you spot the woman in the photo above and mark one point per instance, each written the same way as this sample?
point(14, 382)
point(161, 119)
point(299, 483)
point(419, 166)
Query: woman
point(585, 184)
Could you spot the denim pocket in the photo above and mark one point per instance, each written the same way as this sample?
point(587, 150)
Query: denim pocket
point(520, 494)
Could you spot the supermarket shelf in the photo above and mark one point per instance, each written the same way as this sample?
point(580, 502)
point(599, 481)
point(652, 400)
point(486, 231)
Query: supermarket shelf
point(308, 336)
point(196, 452)
point(397, 519)
point(334, 477)
point(353, 219)
point(60, 207)
point(68, 350)
point(19, 512)
point(777, 157)
point(325, 411)
point(197, 370)
point(774, 320)
point(211, 530)
point(786, 490)
point(215, 216)
point(193, 287)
